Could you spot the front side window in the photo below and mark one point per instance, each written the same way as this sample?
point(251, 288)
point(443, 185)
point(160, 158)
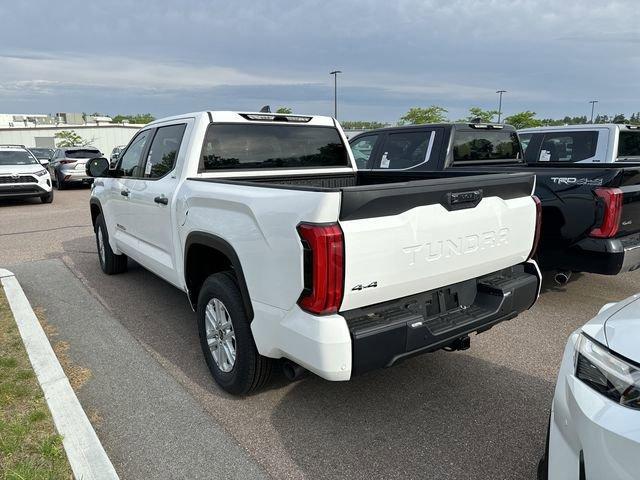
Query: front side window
point(254, 146)
point(129, 165)
point(406, 149)
point(164, 151)
point(568, 146)
point(485, 145)
point(629, 146)
point(362, 149)
point(17, 157)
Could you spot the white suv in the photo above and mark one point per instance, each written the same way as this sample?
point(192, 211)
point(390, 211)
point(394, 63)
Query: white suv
point(22, 175)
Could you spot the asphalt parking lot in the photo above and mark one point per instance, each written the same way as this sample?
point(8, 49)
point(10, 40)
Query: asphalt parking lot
point(476, 414)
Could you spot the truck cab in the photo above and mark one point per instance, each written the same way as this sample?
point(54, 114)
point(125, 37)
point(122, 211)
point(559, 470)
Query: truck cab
point(584, 144)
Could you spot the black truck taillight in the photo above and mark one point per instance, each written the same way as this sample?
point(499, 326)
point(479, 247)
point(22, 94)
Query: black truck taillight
point(611, 201)
point(536, 235)
point(323, 247)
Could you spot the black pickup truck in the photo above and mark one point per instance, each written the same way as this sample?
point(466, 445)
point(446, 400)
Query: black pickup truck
point(590, 213)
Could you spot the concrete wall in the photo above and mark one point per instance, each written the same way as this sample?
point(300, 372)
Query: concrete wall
point(104, 137)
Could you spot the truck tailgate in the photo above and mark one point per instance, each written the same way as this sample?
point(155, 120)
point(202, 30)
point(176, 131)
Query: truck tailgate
point(402, 239)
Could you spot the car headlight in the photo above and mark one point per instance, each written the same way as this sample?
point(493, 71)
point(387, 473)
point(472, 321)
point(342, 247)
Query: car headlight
point(607, 373)
point(41, 172)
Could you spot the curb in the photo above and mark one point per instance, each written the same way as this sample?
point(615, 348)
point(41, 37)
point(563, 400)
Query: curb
point(87, 457)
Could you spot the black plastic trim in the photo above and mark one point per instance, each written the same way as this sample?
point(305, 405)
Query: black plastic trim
point(224, 247)
point(380, 200)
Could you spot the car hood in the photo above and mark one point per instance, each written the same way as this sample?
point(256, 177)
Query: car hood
point(618, 327)
point(9, 169)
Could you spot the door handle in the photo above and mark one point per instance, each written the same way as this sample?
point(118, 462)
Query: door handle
point(161, 200)
point(124, 193)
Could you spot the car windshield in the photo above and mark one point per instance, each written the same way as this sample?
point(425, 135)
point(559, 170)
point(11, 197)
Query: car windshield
point(82, 153)
point(629, 145)
point(42, 152)
point(16, 157)
point(485, 145)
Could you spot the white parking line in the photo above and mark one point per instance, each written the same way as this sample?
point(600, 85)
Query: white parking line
point(86, 455)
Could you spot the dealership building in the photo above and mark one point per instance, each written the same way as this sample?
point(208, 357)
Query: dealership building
point(35, 130)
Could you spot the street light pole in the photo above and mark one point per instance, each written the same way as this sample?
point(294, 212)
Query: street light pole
point(500, 92)
point(593, 106)
point(335, 92)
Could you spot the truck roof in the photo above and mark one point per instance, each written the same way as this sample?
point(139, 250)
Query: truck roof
point(581, 126)
point(224, 116)
point(479, 126)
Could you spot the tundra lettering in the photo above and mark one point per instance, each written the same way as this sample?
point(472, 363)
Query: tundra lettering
point(460, 246)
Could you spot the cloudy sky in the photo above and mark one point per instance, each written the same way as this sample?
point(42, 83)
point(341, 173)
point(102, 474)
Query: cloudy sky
point(168, 57)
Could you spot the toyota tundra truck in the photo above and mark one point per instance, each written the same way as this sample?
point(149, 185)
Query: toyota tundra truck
point(590, 211)
point(286, 251)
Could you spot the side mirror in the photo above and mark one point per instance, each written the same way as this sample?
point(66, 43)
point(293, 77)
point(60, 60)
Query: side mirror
point(44, 162)
point(97, 167)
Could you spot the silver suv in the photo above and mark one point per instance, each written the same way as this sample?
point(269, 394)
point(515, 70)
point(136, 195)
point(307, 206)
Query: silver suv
point(68, 165)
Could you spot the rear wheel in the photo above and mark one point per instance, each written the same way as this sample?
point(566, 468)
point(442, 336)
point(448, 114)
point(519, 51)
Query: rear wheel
point(47, 197)
point(226, 339)
point(109, 261)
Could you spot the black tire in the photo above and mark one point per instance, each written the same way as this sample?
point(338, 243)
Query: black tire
point(47, 197)
point(109, 262)
point(59, 182)
point(251, 371)
point(543, 464)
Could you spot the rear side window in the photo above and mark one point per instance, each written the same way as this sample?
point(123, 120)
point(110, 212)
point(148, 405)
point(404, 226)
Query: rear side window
point(525, 138)
point(568, 146)
point(406, 149)
point(362, 148)
point(164, 151)
point(254, 146)
point(485, 145)
point(629, 145)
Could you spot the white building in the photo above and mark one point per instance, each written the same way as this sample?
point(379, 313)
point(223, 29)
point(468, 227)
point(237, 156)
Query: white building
point(102, 136)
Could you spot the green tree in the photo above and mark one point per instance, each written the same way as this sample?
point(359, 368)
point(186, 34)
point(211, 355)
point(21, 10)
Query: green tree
point(524, 119)
point(139, 118)
point(361, 125)
point(284, 110)
point(484, 116)
point(69, 138)
point(620, 118)
point(418, 115)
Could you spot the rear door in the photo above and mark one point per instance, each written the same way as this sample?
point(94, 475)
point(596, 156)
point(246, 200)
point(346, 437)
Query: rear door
point(412, 237)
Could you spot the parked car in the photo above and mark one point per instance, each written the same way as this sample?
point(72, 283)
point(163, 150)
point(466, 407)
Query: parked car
point(115, 153)
point(68, 165)
point(591, 213)
point(42, 154)
point(594, 427)
point(22, 175)
point(287, 252)
point(606, 143)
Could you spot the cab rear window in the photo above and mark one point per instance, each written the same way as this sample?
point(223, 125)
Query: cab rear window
point(485, 146)
point(256, 146)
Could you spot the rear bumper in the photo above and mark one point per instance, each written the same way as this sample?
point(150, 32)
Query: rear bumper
point(73, 175)
point(386, 333)
point(607, 256)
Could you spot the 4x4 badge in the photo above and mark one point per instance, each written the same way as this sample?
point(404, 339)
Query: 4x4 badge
point(362, 287)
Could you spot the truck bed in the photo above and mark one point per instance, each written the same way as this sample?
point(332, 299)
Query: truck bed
point(368, 194)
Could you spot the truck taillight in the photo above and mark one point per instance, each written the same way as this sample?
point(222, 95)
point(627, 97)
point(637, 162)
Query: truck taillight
point(536, 235)
point(611, 200)
point(66, 161)
point(323, 267)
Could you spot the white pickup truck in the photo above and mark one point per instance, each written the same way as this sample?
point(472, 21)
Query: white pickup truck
point(287, 251)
